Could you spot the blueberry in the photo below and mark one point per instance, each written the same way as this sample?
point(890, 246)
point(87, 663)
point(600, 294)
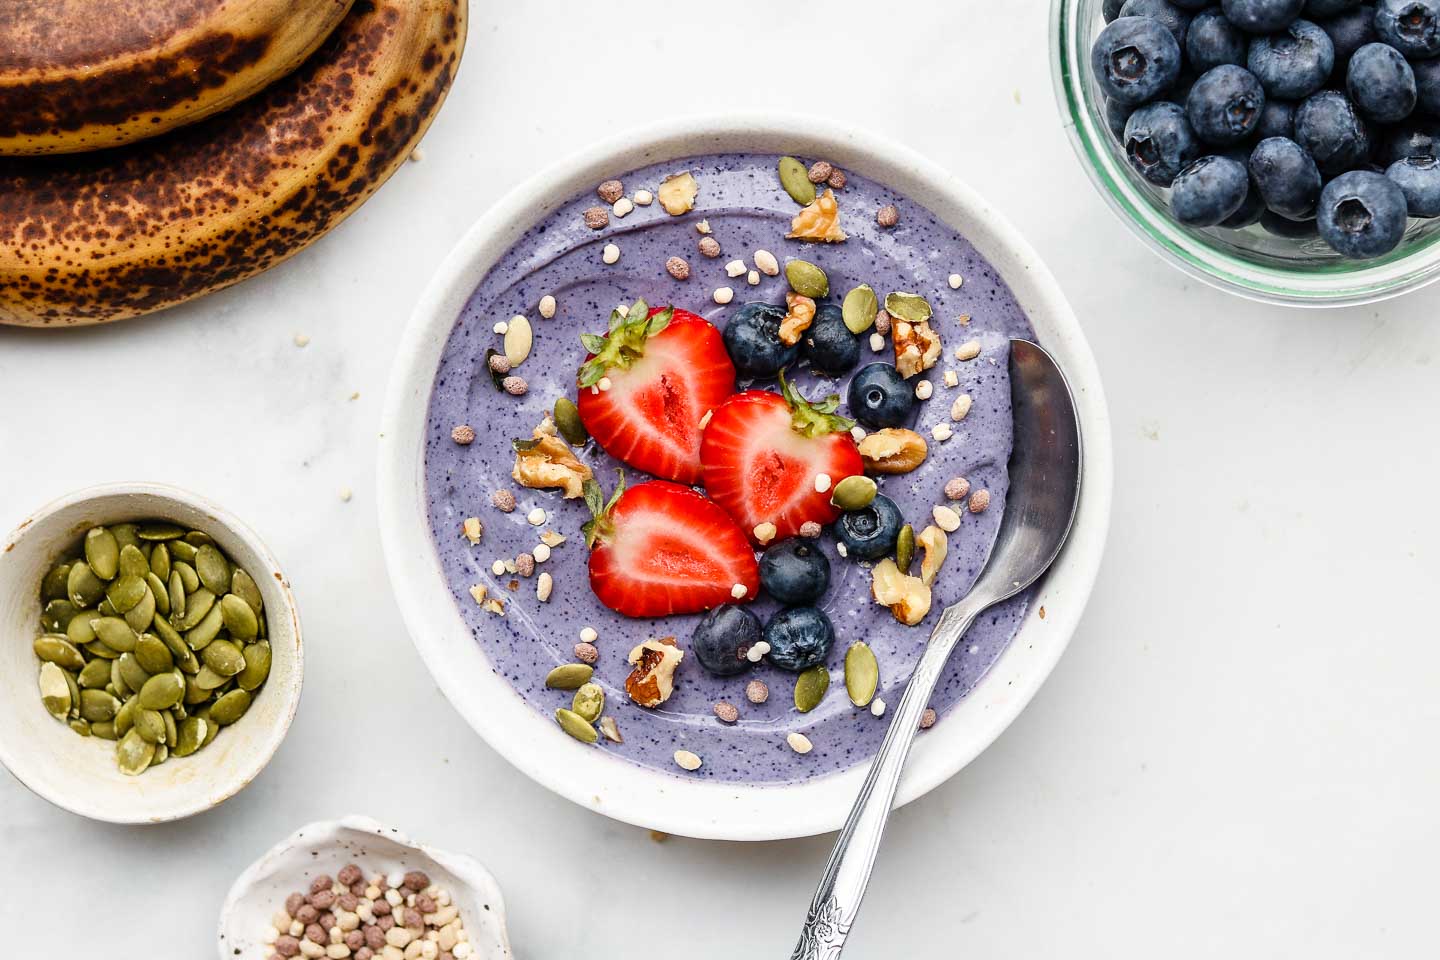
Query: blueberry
point(1212, 40)
point(1381, 83)
point(1135, 59)
point(879, 397)
point(1249, 212)
point(1416, 137)
point(1262, 16)
point(1286, 177)
point(799, 638)
point(722, 639)
point(1410, 26)
point(1174, 19)
point(1427, 85)
point(1328, 126)
point(1362, 214)
point(1225, 104)
point(1194, 6)
point(1159, 141)
point(752, 338)
point(794, 571)
point(1349, 32)
point(1320, 9)
point(1208, 191)
point(1293, 63)
point(1116, 113)
point(1419, 179)
point(1111, 9)
point(870, 532)
point(1276, 120)
point(1289, 229)
point(829, 345)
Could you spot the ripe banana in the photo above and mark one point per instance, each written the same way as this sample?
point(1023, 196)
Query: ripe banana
point(88, 74)
point(88, 238)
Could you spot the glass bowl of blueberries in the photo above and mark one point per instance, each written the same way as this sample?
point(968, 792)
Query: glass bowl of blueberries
point(1284, 150)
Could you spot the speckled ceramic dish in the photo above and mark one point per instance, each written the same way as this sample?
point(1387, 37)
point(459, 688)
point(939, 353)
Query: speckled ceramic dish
point(79, 773)
point(488, 676)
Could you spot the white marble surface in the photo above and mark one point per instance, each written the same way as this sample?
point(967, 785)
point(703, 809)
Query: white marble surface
point(1236, 756)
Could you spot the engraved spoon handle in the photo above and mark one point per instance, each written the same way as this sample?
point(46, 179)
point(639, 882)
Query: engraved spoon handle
point(842, 886)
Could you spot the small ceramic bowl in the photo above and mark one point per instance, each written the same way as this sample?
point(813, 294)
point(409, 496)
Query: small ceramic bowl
point(609, 784)
point(328, 845)
point(79, 774)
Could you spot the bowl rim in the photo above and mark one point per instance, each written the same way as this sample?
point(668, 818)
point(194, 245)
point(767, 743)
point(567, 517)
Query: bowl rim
point(1344, 283)
point(237, 778)
point(617, 788)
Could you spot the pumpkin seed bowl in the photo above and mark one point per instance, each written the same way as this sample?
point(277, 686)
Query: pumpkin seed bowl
point(80, 773)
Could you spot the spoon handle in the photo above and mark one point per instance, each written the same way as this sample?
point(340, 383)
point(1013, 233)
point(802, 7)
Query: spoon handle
point(848, 872)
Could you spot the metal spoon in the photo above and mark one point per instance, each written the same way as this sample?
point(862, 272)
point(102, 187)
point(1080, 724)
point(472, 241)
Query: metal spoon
point(1044, 491)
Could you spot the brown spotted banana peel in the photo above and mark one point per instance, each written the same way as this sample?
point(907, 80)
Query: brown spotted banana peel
point(89, 74)
point(91, 238)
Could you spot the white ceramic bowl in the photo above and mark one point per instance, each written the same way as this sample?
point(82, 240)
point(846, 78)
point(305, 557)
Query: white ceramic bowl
point(610, 785)
point(328, 845)
point(78, 773)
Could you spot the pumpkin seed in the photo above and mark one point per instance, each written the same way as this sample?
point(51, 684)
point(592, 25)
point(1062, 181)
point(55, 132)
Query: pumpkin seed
point(53, 586)
point(130, 671)
point(160, 562)
point(79, 630)
point(133, 563)
point(115, 633)
point(905, 548)
point(208, 679)
point(189, 579)
point(94, 675)
point(212, 730)
point(190, 735)
point(243, 586)
point(576, 725)
point(125, 533)
point(180, 550)
point(862, 674)
point(910, 307)
point(257, 666)
point(125, 592)
point(569, 676)
point(102, 552)
point(611, 729)
point(152, 655)
point(161, 692)
point(160, 592)
point(172, 729)
point(239, 619)
point(213, 568)
point(81, 727)
point(860, 308)
point(205, 631)
point(125, 718)
point(57, 649)
point(175, 589)
point(224, 657)
point(117, 686)
point(567, 421)
point(810, 687)
point(198, 538)
point(150, 725)
point(197, 607)
point(230, 707)
point(194, 692)
point(162, 753)
point(807, 279)
point(97, 649)
point(54, 691)
point(854, 493)
point(795, 179)
point(97, 705)
point(142, 614)
point(82, 585)
point(56, 616)
point(105, 730)
point(74, 688)
point(106, 609)
point(133, 754)
point(589, 701)
point(159, 531)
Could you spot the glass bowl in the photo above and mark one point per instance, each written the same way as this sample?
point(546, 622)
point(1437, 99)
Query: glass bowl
point(1248, 262)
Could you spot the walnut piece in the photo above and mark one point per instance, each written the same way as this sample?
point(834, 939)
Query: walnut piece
point(932, 540)
point(907, 597)
point(677, 193)
point(799, 314)
point(653, 679)
point(550, 463)
point(819, 222)
point(893, 450)
point(917, 347)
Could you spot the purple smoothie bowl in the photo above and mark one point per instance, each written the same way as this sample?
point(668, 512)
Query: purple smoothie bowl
point(752, 786)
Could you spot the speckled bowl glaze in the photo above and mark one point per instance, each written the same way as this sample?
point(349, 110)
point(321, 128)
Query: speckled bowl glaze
point(325, 847)
point(648, 797)
point(79, 773)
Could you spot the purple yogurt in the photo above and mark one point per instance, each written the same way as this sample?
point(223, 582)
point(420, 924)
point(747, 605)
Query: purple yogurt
point(741, 198)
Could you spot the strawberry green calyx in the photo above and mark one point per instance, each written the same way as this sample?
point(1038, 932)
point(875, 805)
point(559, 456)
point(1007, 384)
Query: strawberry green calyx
point(599, 526)
point(813, 419)
point(625, 342)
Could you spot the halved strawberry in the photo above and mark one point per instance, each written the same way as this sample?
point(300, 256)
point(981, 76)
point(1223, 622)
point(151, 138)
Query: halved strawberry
point(763, 451)
point(666, 369)
point(661, 548)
